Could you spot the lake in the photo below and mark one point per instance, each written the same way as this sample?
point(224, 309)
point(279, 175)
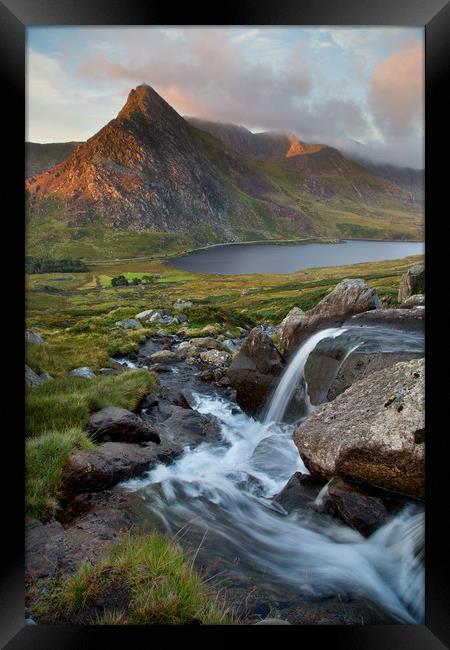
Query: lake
point(236, 259)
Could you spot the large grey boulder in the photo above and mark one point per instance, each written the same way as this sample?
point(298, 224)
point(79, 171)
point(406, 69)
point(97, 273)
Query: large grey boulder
point(166, 356)
point(254, 370)
point(118, 424)
point(412, 282)
point(349, 297)
point(374, 431)
point(215, 358)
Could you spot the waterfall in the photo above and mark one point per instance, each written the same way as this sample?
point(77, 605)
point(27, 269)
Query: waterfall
point(294, 373)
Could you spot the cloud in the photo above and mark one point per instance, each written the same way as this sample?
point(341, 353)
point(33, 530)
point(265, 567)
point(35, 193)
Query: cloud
point(325, 85)
point(396, 92)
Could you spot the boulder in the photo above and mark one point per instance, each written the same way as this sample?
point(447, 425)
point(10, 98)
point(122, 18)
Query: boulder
point(374, 431)
point(349, 297)
point(129, 324)
point(185, 426)
point(299, 492)
point(165, 356)
point(205, 343)
point(33, 337)
point(32, 379)
point(215, 357)
point(84, 373)
point(145, 315)
point(401, 319)
point(112, 462)
point(418, 300)
point(181, 305)
point(348, 501)
point(254, 370)
point(52, 550)
point(359, 365)
point(412, 282)
point(118, 424)
point(327, 378)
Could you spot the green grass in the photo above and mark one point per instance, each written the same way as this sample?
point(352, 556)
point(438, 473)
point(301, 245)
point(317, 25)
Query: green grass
point(45, 457)
point(69, 401)
point(144, 580)
point(56, 415)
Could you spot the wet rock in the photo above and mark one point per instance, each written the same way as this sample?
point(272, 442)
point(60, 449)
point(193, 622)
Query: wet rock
point(185, 426)
point(351, 296)
point(336, 610)
point(374, 431)
point(215, 357)
point(33, 337)
point(359, 365)
point(84, 373)
point(418, 300)
point(348, 501)
point(129, 324)
point(412, 282)
point(299, 492)
point(327, 378)
point(402, 319)
point(254, 370)
point(112, 462)
point(118, 424)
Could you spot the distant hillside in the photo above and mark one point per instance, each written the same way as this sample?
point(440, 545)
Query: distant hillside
point(40, 157)
point(150, 180)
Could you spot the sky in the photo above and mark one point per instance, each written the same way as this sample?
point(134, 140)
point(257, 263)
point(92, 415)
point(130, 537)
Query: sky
point(360, 89)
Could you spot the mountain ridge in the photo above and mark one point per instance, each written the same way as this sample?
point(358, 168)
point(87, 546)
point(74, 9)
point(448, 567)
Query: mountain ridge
point(149, 170)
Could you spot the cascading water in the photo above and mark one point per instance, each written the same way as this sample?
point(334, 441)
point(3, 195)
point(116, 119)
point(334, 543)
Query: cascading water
point(219, 496)
point(293, 374)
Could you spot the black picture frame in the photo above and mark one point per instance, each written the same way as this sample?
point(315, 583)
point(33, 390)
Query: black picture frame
point(434, 15)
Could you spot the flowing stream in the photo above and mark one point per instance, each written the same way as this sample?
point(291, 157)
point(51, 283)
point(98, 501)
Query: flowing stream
point(217, 498)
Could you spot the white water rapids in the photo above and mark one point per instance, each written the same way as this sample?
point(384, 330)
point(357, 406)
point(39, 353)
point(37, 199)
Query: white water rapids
point(224, 489)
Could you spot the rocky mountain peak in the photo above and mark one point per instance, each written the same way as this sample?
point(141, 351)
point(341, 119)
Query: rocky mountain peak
point(296, 147)
point(144, 101)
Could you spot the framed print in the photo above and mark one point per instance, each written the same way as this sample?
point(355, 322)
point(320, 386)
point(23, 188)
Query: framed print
point(228, 370)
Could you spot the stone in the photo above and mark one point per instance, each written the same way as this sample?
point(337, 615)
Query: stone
point(32, 379)
point(181, 305)
point(145, 315)
point(33, 337)
point(165, 356)
point(299, 492)
point(374, 431)
point(412, 282)
point(418, 300)
point(401, 319)
point(363, 512)
point(349, 297)
point(118, 424)
point(129, 324)
point(83, 373)
point(215, 357)
point(205, 343)
point(254, 370)
point(112, 462)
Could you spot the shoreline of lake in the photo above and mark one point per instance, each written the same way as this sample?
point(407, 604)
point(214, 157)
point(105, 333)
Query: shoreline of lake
point(297, 255)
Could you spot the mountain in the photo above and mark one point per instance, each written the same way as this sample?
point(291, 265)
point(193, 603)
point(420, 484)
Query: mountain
point(150, 177)
point(410, 179)
point(40, 157)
